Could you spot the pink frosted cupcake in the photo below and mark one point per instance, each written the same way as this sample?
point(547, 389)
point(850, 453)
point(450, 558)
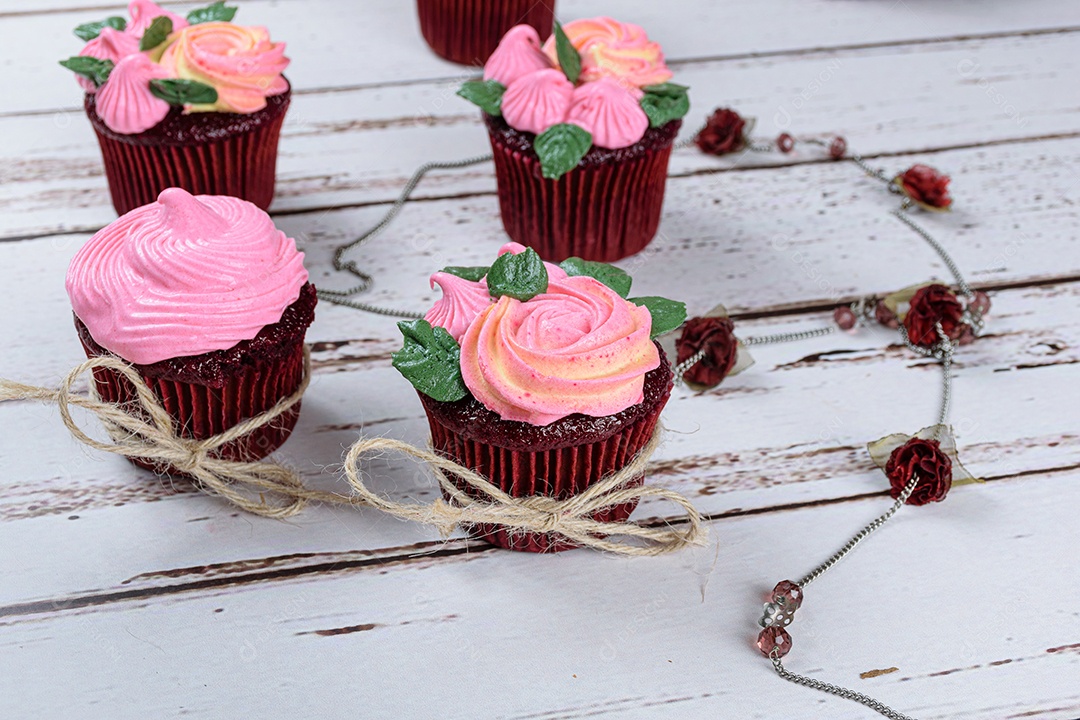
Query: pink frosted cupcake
point(194, 102)
point(467, 31)
point(582, 130)
point(543, 378)
point(209, 302)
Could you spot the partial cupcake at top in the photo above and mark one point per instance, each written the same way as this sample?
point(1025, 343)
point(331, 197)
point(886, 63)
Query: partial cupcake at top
point(193, 101)
point(582, 129)
point(467, 31)
point(543, 378)
point(209, 302)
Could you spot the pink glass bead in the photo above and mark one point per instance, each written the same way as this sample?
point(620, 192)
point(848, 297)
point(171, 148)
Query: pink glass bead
point(837, 148)
point(967, 336)
point(788, 594)
point(785, 142)
point(885, 316)
point(774, 639)
point(845, 317)
point(980, 303)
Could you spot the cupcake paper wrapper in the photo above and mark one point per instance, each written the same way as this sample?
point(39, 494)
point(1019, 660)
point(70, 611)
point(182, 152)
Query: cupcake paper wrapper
point(468, 31)
point(201, 411)
point(604, 212)
point(560, 473)
point(242, 165)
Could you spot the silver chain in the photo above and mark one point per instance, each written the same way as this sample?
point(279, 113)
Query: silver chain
point(961, 283)
point(345, 297)
point(825, 687)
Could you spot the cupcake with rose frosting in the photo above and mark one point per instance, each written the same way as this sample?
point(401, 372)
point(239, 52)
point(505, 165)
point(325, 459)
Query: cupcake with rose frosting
point(543, 378)
point(582, 127)
point(209, 302)
point(192, 101)
point(467, 31)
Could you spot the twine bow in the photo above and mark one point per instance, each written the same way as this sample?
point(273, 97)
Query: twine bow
point(147, 432)
point(571, 517)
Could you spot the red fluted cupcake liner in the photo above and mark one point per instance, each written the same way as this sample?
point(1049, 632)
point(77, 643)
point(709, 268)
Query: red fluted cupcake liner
point(202, 411)
point(468, 31)
point(561, 471)
point(605, 209)
point(203, 153)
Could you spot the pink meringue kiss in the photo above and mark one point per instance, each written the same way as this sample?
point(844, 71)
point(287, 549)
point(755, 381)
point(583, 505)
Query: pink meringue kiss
point(611, 112)
point(125, 102)
point(111, 45)
point(518, 55)
point(536, 101)
point(461, 302)
point(184, 276)
point(144, 12)
point(577, 348)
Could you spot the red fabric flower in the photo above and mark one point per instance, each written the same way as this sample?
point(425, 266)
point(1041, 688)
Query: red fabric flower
point(723, 133)
point(925, 458)
point(930, 305)
point(926, 186)
point(716, 335)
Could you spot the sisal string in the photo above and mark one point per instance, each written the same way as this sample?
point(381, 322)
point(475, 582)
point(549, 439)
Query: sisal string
point(144, 430)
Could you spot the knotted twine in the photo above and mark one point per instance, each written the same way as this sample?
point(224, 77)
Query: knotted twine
point(144, 430)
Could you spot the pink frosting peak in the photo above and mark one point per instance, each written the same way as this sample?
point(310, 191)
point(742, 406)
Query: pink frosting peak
point(554, 271)
point(112, 45)
point(125, 103)
point(518, 55)
point(578, 348)
point(611, 112)
point(184, 276)
point(461, 302)
point(536, 101)
point(144, 12)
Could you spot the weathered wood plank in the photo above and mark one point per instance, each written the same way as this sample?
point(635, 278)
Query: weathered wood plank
point(58, 503)
point(333, 153)
point(584, 635)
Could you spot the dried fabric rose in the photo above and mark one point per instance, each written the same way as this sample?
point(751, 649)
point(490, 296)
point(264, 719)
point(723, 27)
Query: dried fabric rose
point(724, 132)
point(925, 457)
point(931, 305)
point(716, 335)
point(926, 187)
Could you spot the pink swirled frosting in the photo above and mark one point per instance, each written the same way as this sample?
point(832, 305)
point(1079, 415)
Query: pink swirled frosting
point(184, 276)
point(111, 45)
point(610, 48)
point(125, 103)
point(577, 348)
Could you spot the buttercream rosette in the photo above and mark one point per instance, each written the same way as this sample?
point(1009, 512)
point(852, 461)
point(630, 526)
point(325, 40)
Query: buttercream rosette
point(544, 378)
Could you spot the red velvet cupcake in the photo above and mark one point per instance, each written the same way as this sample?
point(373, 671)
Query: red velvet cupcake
point(192, 102)
point(468, 31)
point(209, 303)
point(582, 131)
point(542, 378)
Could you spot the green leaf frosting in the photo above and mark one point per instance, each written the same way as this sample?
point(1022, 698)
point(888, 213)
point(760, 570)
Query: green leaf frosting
point(183, 92)
point(569, 57)
point(431, 360)
point(615, 278)
point(89, 31)
point(215, 12)
point(475, 273)
point(666, 314)
point(97, 70)
point(522, 276)
point(664, 103)
point(485, 94)
point(560, 149)
point(156, 34)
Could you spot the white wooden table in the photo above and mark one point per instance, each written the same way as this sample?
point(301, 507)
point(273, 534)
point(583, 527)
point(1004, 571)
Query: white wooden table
point(126, 596)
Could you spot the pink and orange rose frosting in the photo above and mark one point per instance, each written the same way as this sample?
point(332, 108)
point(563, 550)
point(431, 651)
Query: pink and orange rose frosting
point(614, 85)
point(577, 346)
point(237, 67)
